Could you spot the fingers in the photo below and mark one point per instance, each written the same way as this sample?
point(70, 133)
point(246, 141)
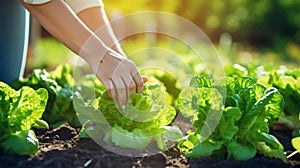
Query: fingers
point(121, 90)
point(117, 90)
point(127, 86)
point(130, 84)
point(124, 87)
point(110, 88)
point(121, 78)
point(139, 82)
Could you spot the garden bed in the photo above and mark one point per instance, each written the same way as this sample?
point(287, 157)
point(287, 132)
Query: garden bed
point(61, 147)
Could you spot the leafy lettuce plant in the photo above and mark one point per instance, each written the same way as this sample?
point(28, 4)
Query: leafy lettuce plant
point(59, 85)
point(19, 112)
point(287, 81)
point(146, 117)
point(243, 128)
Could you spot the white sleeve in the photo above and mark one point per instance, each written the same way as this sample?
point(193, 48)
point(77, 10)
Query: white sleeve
point(36, 2)
point(80, 5)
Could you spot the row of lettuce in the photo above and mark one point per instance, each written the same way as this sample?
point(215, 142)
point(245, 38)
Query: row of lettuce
point(230, 117)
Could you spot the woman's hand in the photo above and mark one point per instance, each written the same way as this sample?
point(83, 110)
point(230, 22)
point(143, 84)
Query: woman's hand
point(120, 76)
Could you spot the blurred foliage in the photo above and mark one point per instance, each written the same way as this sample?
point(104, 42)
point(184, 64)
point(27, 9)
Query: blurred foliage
point(48, 53)
point(242, 30)
point(261, 23)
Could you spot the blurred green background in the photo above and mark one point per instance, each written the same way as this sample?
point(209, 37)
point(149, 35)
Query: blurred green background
point(263, 31)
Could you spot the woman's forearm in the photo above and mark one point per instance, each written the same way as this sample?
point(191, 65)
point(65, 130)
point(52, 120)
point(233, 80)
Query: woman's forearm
point(96, 19)
point(64, 25)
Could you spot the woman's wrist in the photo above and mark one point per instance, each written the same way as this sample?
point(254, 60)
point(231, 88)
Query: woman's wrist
point(93, 51)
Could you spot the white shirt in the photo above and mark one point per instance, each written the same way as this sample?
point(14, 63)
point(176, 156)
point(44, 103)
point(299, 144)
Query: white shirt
point(36, 1)
point(76, 5)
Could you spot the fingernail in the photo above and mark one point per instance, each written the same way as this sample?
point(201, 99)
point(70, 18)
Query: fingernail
point(123, 107)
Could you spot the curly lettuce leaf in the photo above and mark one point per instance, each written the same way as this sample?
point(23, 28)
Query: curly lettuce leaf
point(201, 81)
point(150, 103)
point(59, 85)
point(27, 109)
point(268, 145)
point(135, 139)
point(168, 80)
point(266, 109)
point(231, 116)
point(19, 112)
point(198, 103)
point(205, 148)
point(22, 143)
point(169, 133)
point(241, 151)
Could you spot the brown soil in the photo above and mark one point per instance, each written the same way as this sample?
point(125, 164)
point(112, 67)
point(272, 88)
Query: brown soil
point(60, 148)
